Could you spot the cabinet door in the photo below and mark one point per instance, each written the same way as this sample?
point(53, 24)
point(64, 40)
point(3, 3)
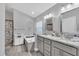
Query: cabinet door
point(57, 52)
point(68, 49)
point(46, 49)
point(52, 50)
point(38, 42)
point(46, 53)
point(40, 45)
point(65, 54)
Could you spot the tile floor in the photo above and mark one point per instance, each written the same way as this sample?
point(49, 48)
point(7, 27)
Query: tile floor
point(19, 51)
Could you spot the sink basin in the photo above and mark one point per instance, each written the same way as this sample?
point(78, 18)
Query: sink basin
point(75, 39)
point(47, 35)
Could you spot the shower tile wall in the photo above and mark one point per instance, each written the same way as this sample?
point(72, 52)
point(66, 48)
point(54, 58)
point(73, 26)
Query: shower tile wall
point(8, 32)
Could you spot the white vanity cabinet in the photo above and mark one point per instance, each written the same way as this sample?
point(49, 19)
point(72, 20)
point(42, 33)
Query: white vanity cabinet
point(65, 54)
point(47, 47)
point(40, 44)
point(64, 50)
point(56, 52)
point(50, 47)
point(59, 52)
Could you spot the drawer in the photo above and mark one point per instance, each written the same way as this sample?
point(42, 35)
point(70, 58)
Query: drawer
point(46, 53)
point(65, 54)
point(40, 44)
point(56, 52)
point(47, 41)
point(41, 49)
point(47, 47)
point(52, 51)
point(65, 48)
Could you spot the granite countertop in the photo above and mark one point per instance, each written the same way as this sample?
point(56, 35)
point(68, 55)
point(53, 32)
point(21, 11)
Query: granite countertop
point(62, 40)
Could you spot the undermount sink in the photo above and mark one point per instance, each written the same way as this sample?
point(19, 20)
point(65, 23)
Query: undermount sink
point(75, 39)
point(48, 35)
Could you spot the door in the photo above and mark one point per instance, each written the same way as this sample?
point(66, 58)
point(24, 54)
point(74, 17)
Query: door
point(8, 31)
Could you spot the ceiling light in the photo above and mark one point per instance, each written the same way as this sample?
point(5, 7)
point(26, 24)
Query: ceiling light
point(69, 5)
point(33, 12)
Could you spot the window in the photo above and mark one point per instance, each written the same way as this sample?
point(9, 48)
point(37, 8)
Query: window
point(39, 27)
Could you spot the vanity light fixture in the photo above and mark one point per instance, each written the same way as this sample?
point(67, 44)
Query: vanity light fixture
point(62, 9)
point(44, 17)
point(68, 6)
point(48, 16)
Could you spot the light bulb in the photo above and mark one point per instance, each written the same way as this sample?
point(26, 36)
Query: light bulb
point(62, 8)
point(33, 12)
point(69, 5)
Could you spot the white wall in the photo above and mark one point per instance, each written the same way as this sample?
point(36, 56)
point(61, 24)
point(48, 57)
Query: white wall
point(2, 29)
point(8, 15)
point(56, 21)
point(23, 23)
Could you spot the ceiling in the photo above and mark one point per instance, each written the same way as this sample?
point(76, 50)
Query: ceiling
point(31, 9)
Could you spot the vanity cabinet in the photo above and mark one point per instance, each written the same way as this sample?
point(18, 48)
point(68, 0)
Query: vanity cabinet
point(64, 50)
point(50, 47)
point(65, 54)
point(40, 44)
point(47, 47)
point(59, 52)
